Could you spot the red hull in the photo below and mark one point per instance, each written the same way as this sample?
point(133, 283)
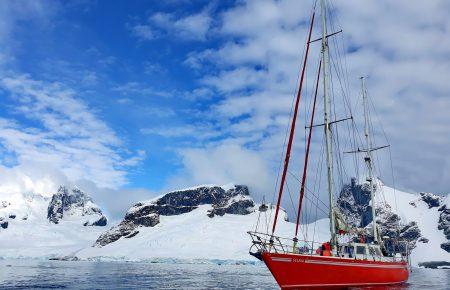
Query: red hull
point(293, 271)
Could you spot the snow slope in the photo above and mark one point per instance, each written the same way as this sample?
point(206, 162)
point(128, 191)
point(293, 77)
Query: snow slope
point(31, 235)
point(192, 235)
point(411, 207)
point(195, 236)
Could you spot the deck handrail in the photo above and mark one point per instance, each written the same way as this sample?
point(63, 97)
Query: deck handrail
point(271, 243)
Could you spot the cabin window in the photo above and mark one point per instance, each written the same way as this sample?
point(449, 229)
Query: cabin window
point(360, 250)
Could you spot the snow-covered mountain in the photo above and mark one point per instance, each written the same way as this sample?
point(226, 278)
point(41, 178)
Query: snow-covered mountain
point(421, 219)
point(34, 225)
point(74, 203)
point(205, 223)
point(210, 222)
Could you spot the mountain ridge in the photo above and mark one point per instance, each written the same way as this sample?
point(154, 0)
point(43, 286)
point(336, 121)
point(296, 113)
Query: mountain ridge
point(206, 222)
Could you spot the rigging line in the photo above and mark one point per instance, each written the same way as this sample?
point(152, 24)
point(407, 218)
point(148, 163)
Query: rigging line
point(346, 100)
point(291, 134)
point(343, 43)
point(281, 156)
point(290, 196)
point(337, 65)
point(381, 125)
point(393, 183)
point(259, 216)
point(316, 185)
point(335, 139)
point(319, 168)
point(308, 190)
point(319, 208)
point(292, 201)
point(285, 139)
point(305, 165)
point(332, 19)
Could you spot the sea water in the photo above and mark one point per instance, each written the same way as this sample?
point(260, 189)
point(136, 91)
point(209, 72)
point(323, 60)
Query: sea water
point(40, 274)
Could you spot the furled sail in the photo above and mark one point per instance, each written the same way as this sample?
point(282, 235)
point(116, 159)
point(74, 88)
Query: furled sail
point(340, 222)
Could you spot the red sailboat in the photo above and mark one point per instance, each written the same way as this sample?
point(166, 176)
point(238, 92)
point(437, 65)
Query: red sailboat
point(335, 263)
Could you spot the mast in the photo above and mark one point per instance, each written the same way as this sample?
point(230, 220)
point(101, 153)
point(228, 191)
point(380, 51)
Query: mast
point(327, 104)
point(368, 158)
point(308, 146)
point(294, 119)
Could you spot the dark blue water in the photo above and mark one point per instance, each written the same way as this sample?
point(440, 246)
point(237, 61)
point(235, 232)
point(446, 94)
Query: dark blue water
point(33, 274)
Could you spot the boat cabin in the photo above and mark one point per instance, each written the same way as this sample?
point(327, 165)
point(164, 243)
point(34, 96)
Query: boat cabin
point(360, 251)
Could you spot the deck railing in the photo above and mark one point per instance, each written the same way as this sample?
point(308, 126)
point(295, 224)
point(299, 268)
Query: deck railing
point(275, 244)
point(264, 242)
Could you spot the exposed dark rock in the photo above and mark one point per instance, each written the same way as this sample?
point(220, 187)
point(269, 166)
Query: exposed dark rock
point(127, 227)
point(444, 225)
point(101, 222)
point(70, 202)
point(354, 203)
point(12, 216)
point(410, 233)
point(241, 207)
point(132, 235)
point(146, 214)
point(430, 199)
point(435, 264)
point(446, 246)
point(263, 208)
point(423, 240)
point(3, 224)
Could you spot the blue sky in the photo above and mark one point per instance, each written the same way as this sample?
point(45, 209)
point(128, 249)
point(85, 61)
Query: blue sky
point(138, 97)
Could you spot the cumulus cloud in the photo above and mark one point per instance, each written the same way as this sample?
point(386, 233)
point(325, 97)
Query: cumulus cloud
point(401, 46)
point(224, 164)
point(61, 133)
point(193, 26)
point(189, 27)
point(143, 32)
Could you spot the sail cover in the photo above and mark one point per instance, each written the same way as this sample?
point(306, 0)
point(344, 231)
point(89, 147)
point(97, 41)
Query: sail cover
point(339, 221)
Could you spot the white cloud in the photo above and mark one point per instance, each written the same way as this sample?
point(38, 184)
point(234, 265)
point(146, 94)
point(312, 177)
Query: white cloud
point(237, 79)
point(193, 26)
point(190, 27)
point(139, 89)
point(402, 46)
point(143, 32)
point(195, 131)
point(64, 135)
point(224, 164)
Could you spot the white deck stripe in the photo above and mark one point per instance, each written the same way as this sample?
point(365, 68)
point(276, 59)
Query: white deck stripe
point(354, 264)
point(281, 259)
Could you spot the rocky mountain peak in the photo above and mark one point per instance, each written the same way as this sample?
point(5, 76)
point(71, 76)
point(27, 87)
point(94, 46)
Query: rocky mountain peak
point(432, 200)
point(444, 224)
point(354, 203)
point(234, 200)
point(74, 202)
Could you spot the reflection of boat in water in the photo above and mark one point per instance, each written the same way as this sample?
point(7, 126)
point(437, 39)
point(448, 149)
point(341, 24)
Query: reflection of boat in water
point(358, 261)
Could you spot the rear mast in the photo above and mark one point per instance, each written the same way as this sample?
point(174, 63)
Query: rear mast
point(368, 158)
point(327, 104)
